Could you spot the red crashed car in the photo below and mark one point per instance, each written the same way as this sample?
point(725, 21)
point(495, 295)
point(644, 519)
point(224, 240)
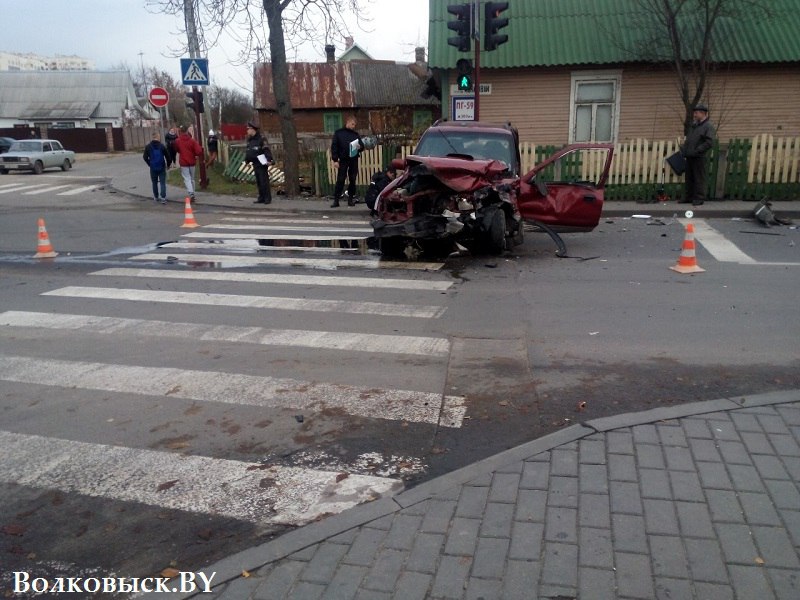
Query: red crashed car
point(463, 184)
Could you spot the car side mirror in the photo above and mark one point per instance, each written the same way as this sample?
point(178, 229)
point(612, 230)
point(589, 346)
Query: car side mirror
point(398, 164)
point(541, 186)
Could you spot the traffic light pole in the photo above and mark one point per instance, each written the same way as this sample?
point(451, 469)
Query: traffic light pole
point(198, 127)
point(477, 82)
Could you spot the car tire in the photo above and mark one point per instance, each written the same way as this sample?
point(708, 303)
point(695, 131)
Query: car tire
point(67, 165)
point(38, 167)
point(392, 246)
point(495, 240)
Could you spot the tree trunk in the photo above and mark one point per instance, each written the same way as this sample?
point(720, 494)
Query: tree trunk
point(280, 85)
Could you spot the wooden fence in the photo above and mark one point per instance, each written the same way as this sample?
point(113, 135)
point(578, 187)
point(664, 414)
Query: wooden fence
point(743, 169)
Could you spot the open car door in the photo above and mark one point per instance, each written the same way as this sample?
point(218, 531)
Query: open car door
point(566, 191)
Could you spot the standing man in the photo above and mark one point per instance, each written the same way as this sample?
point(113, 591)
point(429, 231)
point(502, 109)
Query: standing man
point(156, 156)
point(698, 142)
point(259, 155)
point(188, 151)
point(169, 142)
point(213, 148)
point(345, 148)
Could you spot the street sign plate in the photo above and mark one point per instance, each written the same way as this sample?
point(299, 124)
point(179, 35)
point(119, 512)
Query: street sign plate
point(464, 108)
point(194, 71)
point(159, 97)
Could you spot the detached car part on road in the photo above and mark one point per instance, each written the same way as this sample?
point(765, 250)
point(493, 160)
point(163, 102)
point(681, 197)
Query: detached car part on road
point(463, 184)
point(36, 156)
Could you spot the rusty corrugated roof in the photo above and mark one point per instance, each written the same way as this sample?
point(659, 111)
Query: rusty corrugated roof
point(352, 84)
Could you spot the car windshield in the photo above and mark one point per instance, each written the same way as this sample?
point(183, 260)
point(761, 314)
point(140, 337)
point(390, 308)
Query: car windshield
point(26, 147)
point(479, 145)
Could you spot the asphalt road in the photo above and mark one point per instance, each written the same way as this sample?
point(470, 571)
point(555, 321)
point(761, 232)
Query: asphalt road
point(322, 376)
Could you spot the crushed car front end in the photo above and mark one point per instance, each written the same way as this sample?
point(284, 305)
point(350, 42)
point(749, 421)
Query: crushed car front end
point(448, 198)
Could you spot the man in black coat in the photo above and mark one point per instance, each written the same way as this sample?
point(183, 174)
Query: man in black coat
point(698, 142)
point(257, 147)
point(345, 148)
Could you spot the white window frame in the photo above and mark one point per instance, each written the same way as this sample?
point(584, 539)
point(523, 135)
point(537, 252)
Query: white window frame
point(578, 77)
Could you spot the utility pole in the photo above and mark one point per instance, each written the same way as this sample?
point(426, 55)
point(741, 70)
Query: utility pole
point(194, 52)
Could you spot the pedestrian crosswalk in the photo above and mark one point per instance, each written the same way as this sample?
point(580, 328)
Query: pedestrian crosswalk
point(34, 189)
point(375, 313)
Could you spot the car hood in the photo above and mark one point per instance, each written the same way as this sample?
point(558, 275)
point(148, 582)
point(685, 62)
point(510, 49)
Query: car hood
point(459, 174)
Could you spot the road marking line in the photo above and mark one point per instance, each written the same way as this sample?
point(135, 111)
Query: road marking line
point(253, 245)
point(324, 280)
point(250, 492)
point(22, 187)
point(242, 301)
point(334, 227)
point(721, 248)
point(238, 389)
point(337, 222)
point(45, 190)
point(310, 263)
point(271, 236)
point(329, 340)
point(80, 190)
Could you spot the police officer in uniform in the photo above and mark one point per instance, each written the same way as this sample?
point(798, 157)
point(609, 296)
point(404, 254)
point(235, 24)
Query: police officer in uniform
point(257, 146)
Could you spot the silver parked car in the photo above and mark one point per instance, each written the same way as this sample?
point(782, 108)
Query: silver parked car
point(36, 156)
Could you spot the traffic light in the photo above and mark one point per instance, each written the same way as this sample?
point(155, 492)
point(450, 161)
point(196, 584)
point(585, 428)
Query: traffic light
point(492, 24)
point(195, 101)
point(464, 80)
point(462, 26)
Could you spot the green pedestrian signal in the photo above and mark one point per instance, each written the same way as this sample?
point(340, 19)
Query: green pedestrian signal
point(464, 83)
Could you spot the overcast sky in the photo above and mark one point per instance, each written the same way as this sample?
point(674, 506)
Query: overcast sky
point(112, 32)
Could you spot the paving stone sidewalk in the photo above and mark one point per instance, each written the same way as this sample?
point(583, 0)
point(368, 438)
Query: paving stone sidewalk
point(694, 501)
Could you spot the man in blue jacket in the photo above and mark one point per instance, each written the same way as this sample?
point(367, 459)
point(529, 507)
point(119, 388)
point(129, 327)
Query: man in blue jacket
point(345, 148)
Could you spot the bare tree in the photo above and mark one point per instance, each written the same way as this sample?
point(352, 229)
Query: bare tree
point(685, 34)
point(298, 21)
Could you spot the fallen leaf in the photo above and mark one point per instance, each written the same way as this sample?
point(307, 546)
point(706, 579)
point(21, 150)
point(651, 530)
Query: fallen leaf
point(245, 573)
point(166, 485)
point(170, 572)
point(341, 476)
point(205, 534)
point(13, 529)
point(581, 407)
point(503, 403)
point(759, 560)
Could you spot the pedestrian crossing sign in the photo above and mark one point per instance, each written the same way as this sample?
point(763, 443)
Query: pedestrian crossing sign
point(194, 71)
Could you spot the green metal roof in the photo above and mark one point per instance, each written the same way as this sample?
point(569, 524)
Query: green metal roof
point(603, 32)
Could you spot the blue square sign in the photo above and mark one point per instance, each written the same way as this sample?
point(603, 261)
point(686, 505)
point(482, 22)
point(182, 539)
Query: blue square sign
point(194, 71)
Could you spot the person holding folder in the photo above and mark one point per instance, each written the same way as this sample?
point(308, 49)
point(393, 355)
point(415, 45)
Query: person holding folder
point(259, 155)
point(345, 148)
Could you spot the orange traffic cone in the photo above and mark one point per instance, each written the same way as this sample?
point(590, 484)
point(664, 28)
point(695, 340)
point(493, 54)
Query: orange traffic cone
point(188, 215)
point(44, 249)
point(687, 263)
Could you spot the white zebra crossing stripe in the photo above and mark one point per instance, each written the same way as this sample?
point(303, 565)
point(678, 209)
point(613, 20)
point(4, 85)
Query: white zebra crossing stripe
point(336, 222)
point(230, 388)
point(717, 244)
point(45, 190)
point(278, 303)
point(333, 227)
point(311, 263)
point(323, 280)
point(80, 190)
point(19, 188)
point(253, 245)
point(328, 340)
point(272, 236)
point(250, 492)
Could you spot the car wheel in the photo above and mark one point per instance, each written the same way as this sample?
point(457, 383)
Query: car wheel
point(495, 241)
point(392, 246)
point(67, 165)
point(38, 167)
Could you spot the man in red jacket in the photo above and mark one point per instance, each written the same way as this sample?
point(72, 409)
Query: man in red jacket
point(188, 151)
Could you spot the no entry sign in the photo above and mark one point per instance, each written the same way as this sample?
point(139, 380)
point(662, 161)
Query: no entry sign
point(158, 97)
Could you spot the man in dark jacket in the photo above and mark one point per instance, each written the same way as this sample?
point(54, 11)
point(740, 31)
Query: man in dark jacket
point(376, 185)
point(345, 148)
point(259, 155)
point(169, 142)
point(156, 155)
point(695, 149)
